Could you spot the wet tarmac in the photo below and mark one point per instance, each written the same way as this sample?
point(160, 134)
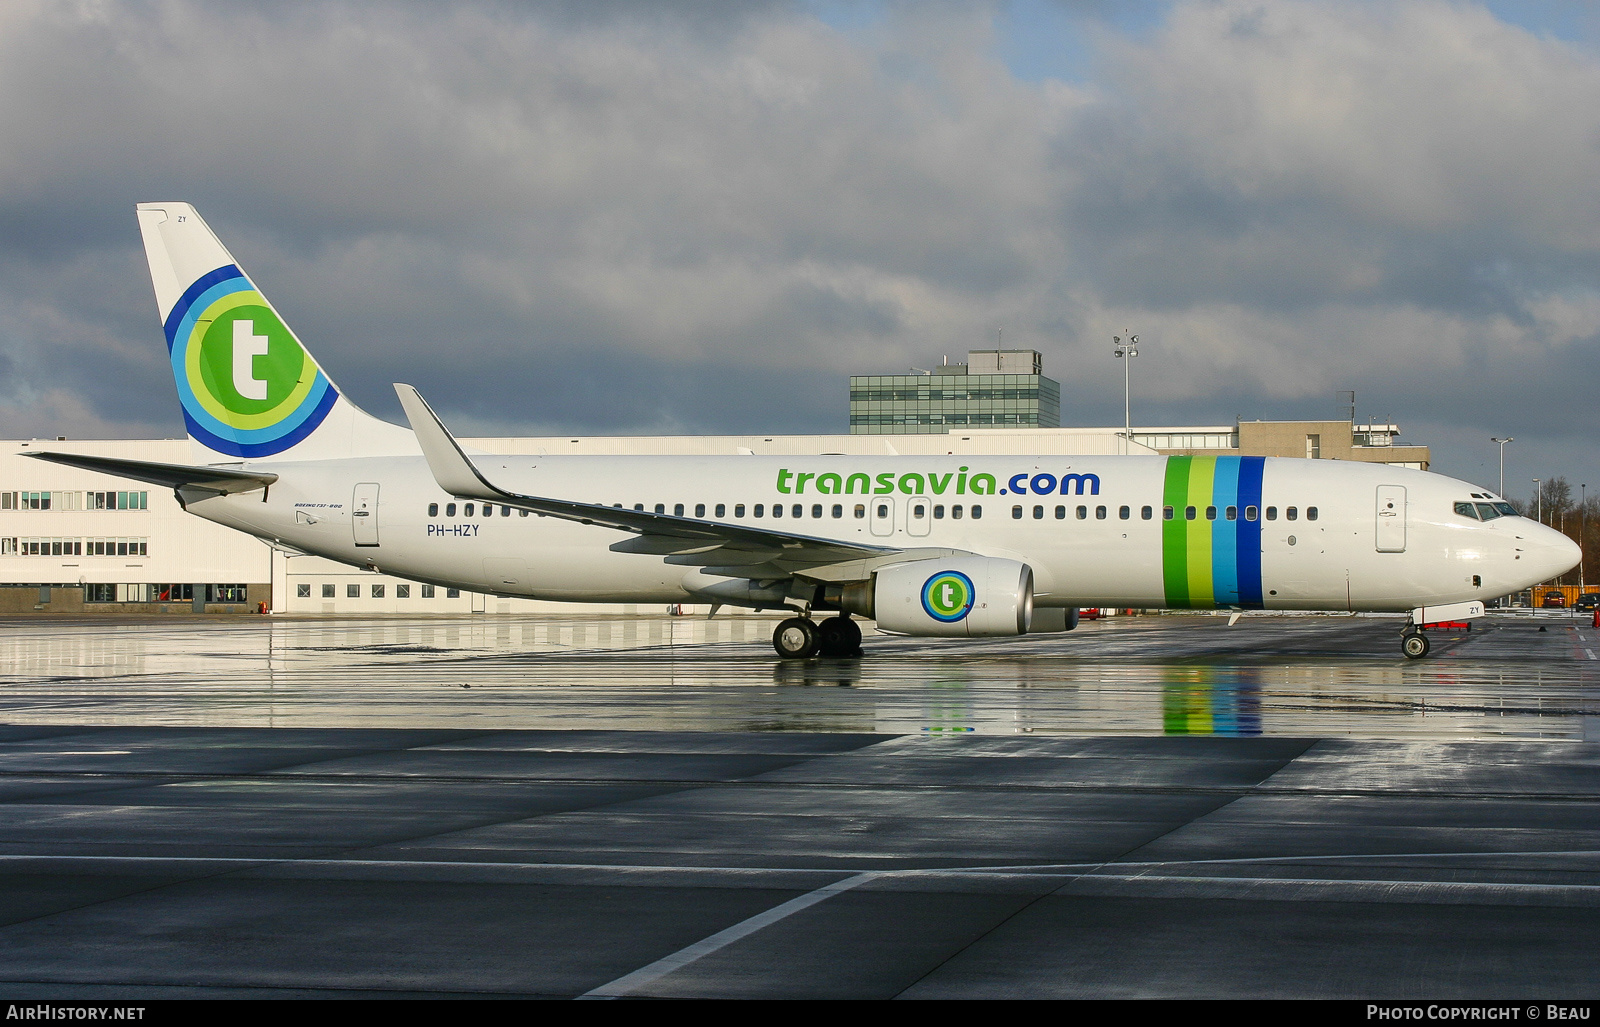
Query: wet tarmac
point(1161, 807)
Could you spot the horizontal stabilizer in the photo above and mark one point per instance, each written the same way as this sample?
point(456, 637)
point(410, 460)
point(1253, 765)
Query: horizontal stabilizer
point(221, 480)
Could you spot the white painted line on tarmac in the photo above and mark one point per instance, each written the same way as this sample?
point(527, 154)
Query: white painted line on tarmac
point(646, 975)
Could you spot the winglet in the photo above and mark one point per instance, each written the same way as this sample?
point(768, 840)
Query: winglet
point(450, 466)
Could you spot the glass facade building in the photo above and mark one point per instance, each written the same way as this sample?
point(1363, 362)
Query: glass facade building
point(985, 392)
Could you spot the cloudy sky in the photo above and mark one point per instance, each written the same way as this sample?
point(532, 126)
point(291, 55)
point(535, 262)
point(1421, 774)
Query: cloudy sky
point(702, 217)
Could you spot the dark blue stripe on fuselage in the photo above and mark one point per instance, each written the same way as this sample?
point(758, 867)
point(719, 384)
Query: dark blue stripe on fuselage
point(1251, 470)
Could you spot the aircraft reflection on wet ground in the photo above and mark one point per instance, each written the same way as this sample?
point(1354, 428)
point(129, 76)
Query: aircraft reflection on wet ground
point(1305, 676)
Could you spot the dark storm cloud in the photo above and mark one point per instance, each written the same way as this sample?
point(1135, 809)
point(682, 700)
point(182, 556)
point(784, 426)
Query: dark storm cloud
point(704, 217)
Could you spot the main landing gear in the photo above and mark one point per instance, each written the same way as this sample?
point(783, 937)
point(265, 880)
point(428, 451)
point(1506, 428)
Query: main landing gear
point(800, 638)
point(1413, 642)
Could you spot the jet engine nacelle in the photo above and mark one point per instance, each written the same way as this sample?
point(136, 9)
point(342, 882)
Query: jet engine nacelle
point(960, 597)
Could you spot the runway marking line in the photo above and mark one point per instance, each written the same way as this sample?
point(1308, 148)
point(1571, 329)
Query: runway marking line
point(646, 975)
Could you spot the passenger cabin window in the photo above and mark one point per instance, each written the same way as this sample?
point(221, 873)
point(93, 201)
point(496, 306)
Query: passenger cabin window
point(449, 509)
point(1231, 513)
point(838, 511)
point(722, 509)
point(955, 512)
point(1250, 513)
point(699, 509)
point(738, 509)
point(1038, 513)
point(1124, 512)
point(661, 508)
point(677, 509)
point(777, 510)
point(861, 511)
point(938, 513)
point(488, 509)
point(1146, 512)
point(1188, 513)
point(1099, 513)
point(1292, 513)
point(1016, 513)
point(759, 509)
point(433, 509)
point(1061, 513)
point(797, 510)
point(1166, 513)
point(466, 511)
point(1083, 513)
point(1211, 513)
point(505, 511)
point(883, 509)
point(1272, 513)
point(816, 510)
point(1311, 513)
point(977, 511)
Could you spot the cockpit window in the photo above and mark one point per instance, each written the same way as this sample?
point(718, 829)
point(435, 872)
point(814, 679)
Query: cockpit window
point(1466, 510)
point(1506, 509)
point(1487, 511)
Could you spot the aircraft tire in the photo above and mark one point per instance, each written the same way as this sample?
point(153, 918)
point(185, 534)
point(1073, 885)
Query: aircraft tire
point(795, 639)
point(838, 636)
point(1414, 645)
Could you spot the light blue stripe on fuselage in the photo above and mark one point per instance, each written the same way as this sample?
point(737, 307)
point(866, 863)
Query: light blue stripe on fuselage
point(1225, 533)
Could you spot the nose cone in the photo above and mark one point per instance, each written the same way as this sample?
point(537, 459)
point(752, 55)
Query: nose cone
point(1551, 553)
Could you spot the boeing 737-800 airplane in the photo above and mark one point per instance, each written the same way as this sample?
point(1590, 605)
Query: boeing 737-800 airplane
point(943, 546)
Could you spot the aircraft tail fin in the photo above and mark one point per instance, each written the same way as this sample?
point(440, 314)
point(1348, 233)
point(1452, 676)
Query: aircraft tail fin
point(250, 389)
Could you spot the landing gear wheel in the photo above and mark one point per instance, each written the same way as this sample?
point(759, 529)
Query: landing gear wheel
point(1414, 645)
point(838, 636)
point(795, 639)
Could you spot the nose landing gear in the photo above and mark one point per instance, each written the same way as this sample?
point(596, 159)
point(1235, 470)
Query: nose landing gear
point(800, 638)
point(1413, 642)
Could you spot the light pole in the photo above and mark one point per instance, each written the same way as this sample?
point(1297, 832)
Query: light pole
point(1538, 501)
point(1503, 462)
point(1583, 522)
point(1126, 351)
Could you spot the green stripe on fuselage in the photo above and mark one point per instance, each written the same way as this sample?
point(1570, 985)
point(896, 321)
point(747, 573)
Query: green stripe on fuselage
point(1175, 533)
point(1202, 478)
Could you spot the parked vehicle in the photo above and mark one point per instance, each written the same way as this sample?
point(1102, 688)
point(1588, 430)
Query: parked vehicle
point(1553, 601)
point(1587, 601)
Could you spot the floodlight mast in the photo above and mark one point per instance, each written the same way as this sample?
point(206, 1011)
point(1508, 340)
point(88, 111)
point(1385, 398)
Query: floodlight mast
point(1126, 351)
point(1502, 443)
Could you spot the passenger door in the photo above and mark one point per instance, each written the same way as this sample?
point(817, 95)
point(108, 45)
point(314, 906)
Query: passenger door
point(1391, 518)
point(364, 514)
point(882, 515)
point(919, 516)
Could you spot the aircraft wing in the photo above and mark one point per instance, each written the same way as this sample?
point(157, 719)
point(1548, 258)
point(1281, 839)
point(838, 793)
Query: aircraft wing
point(221, 480)
point(721, 548)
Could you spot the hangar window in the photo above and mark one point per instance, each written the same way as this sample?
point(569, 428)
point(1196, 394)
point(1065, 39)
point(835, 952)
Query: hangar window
point(738, 509)
point(1292, 513)
point(377, 591)
point(302, 591)
point(433, 509)
point(816, 510)
point(1250, 513)
point(1038, 513)
point(955, 513)
point(838, 511)
point(1272, 513)
point(402, 591)
point(1016, 513)
point(352, 591)
point(327, 591)
point(452, 593)
point(861, 511)
point(427, 591)
point(1099, 513)
point(1211, 513)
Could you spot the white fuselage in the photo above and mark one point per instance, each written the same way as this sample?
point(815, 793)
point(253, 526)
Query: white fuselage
point(1108, 541)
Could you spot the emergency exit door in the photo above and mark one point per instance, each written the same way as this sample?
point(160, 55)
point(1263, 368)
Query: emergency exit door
point(364, 514)
point(1391, 515)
